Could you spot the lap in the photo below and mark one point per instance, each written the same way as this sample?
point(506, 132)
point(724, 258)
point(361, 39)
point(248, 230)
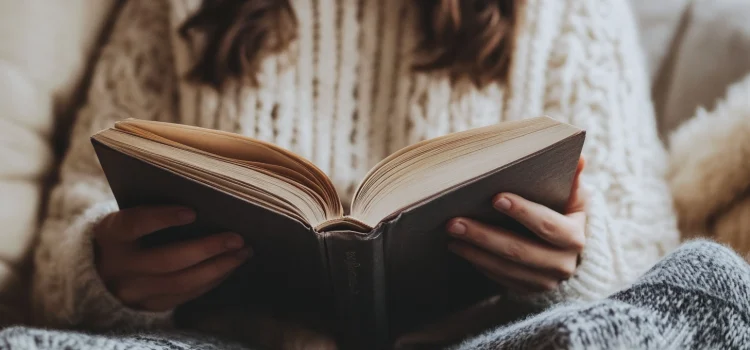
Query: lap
point(697, 297)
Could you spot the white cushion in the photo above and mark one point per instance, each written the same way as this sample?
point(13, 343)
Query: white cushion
point(658, 23)
point(695, 49)
point(44, 49)
point(714, 54)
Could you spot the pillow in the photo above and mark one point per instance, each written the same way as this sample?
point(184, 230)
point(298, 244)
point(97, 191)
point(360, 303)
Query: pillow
point(658, 24)
point(44, 48)
point(695, 49)
point(714, 53)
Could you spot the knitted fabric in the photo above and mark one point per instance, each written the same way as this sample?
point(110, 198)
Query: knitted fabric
point(696, 298)
point(344, 96)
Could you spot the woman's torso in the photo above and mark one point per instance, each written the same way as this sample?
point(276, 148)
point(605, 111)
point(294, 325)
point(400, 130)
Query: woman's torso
point(344, 95)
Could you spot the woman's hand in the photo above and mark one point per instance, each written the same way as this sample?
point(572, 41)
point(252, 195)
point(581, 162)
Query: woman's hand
point(515, 261)
point(159, 279)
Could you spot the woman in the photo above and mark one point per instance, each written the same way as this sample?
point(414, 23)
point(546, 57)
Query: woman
point(345, 83)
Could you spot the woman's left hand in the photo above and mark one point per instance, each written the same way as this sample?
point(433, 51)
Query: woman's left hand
point(517, 262)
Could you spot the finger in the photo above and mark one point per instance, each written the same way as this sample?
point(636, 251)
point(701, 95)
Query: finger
point(503, 271)
point(135, 290)
point(577, 200)
point(128, 225)
point(178, 256)
point(546, 223)
point(513, 247)
point(168, 302)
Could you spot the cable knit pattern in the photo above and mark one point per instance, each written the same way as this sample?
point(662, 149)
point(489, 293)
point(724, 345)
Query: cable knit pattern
point(344, 96)
point(594, 80)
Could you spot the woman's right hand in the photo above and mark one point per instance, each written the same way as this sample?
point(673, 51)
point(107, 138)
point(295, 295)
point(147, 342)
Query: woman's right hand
point(161, 278)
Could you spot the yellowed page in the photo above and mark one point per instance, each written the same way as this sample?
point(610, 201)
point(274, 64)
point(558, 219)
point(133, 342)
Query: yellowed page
point(240, 150)
point(256, 186)
point(433, 166)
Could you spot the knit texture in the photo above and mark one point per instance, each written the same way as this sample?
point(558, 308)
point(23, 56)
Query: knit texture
point(344, 96)
point(696, 298)
point(38, 339)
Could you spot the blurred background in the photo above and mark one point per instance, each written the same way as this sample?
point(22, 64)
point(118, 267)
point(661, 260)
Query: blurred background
point(696, 52)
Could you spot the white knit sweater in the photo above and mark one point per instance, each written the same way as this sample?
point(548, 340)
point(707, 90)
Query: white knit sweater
point(344, 96)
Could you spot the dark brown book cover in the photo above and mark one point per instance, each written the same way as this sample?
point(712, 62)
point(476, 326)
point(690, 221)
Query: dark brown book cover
point(376, 285)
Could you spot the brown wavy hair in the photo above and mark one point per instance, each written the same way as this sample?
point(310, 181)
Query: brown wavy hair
point(463, 38)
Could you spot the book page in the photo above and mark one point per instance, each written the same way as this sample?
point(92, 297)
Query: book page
point(237, 149)
point(428, 168)
point(259, 172)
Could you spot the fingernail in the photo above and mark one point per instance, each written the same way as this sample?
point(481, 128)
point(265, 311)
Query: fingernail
point(243, 254)
point(186, 215)
point(234, 242)
point(502, 204)
point(457, 228)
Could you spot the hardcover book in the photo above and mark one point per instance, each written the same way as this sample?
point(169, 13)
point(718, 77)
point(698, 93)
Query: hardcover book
point(382, 267)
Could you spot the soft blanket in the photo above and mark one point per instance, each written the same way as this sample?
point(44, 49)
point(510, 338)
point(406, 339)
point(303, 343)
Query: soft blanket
point(709, 170)
point(698, 297)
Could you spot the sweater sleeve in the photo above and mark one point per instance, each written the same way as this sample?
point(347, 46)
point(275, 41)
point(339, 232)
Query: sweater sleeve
point(132, 77)
point(596, 79)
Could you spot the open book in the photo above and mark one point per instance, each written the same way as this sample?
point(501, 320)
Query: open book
point(383, 268)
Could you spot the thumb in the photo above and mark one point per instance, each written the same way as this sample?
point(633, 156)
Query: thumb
point(577, 199)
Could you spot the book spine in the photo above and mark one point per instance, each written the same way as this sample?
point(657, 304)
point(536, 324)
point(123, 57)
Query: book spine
point(357, 272)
